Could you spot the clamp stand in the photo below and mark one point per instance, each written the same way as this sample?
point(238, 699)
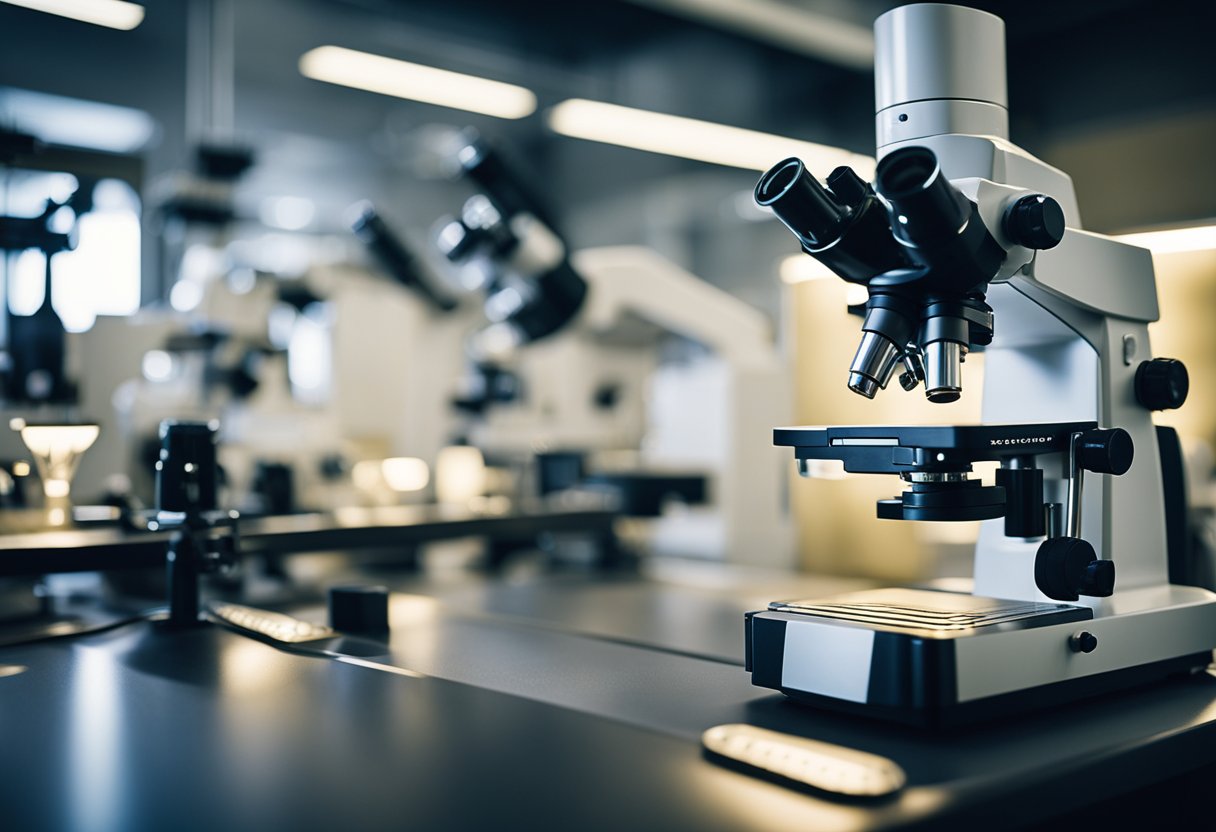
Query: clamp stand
point(204, 539)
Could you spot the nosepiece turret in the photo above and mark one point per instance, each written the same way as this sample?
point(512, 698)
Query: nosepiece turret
point(921, 249)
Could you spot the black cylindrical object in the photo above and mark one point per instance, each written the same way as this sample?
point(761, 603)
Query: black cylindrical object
point(1106, 451)
point(507, 188)
point(1068, 567)
point(1024, 513)
point(392, 254)
point(800, 202)
point(558, 296)
point(186, 472)
point(926, 206)
point(846, 229)
point(1162, 384)
point(183, 562)
point(848, 188)
point(940, 227)
point(1035, 221)
point(359, 610)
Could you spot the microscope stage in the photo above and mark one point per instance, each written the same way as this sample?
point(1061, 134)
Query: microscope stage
point(942, 658)
point(892, 449)
point(934, 614)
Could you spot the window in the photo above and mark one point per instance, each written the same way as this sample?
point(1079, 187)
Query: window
point(101, 276)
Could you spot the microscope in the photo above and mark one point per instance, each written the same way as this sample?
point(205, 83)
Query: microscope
point(964, 242)
point(568, 367)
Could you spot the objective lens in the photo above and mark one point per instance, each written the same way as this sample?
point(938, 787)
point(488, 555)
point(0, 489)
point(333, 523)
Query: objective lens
point(943, 371)
point(873, 364)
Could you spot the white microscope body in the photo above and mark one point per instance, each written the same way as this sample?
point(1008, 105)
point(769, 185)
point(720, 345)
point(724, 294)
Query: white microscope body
point(583, 331)
point(705, 414)
point(1070, 345)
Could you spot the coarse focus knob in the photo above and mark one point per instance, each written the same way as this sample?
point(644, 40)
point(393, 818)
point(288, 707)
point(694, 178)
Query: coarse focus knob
point(1162, 384)
point(1067, 567)
point(1105, 451)
point(1035, 221)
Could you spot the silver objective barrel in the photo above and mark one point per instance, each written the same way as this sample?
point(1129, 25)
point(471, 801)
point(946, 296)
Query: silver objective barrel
point(944, 371)
point(939, 69)
point(873, 364)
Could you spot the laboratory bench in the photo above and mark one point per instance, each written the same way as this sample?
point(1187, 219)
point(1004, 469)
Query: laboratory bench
point(536, 702)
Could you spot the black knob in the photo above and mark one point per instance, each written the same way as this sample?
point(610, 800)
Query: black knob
point(1083, 642)
point(1162, 384)
point(359, 610)
point(1067, 567)
point(1035, 221)
point(1105, 451)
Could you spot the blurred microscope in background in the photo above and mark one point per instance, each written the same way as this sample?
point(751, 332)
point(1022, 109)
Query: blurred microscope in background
point(567, 379)
point(330, 382)
point(39, 227)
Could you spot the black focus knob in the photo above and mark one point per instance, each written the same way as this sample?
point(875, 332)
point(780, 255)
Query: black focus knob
point(1067, 567)
point(1035, 221)
point(1162, 384)
point(1106, 451)
point(1083, 642)
point(359, 610)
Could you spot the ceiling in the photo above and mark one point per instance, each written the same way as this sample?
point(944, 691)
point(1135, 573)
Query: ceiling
point(1118, 93)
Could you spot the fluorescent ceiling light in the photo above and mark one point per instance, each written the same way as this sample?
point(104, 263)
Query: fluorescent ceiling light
point(691, 138)
point(787, 24)
point(116, 14)
point(1174, 240)
point(389, 76)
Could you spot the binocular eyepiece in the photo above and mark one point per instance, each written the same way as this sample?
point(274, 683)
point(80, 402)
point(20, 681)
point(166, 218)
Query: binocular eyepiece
point(918, 245)
point(505, 232)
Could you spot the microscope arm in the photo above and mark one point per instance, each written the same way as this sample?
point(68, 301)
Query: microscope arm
point(633, 280)
point(1100, 275)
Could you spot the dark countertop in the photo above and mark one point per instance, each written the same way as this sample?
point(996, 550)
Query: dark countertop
point(81, 548)
point(551, 703)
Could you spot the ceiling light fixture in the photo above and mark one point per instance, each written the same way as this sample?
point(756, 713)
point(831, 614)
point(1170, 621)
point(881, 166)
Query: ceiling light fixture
point(114, 14)
point(690, 138)
point(416, 82)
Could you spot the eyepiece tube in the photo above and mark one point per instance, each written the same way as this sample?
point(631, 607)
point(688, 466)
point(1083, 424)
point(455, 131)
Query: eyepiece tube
point(396, 258)
point(507, 186)
point(925, 207)
point(801, 203)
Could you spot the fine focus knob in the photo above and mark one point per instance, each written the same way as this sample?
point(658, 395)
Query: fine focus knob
point(1105, 451)
point(359, 610)
point(1067, 567)
point(1162, 384)
point(1035, 221)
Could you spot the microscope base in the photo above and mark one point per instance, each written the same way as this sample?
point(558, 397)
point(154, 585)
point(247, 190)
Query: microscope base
point(940, 658)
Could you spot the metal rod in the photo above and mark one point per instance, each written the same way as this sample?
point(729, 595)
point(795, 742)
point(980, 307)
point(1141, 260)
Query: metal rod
point(1076, 488)
point(1054, 519)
